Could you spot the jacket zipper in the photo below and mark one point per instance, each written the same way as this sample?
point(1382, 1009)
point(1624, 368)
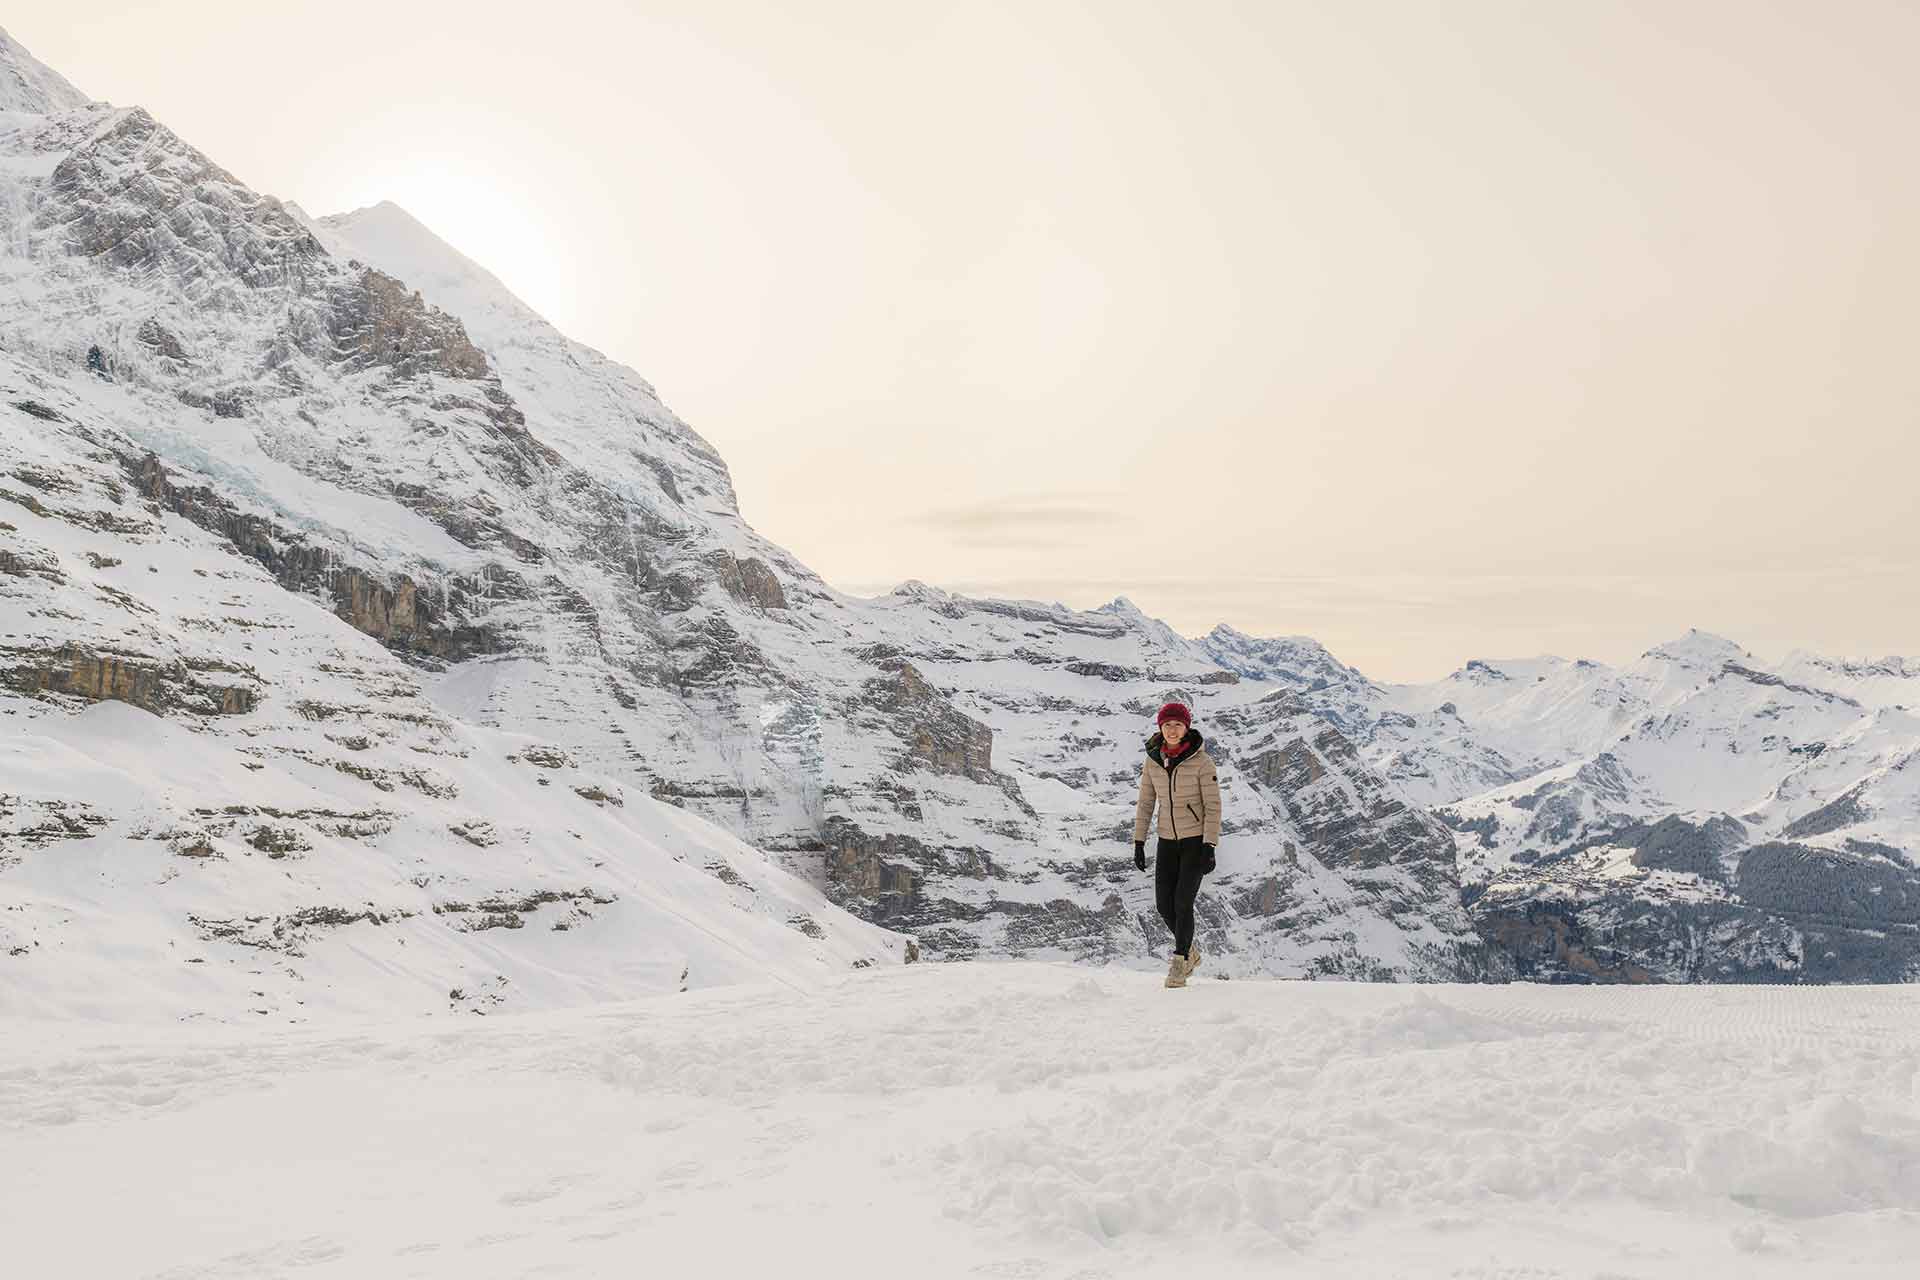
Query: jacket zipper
point(1173, 814)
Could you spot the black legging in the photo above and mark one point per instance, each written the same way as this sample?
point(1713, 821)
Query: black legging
point(1176, 882)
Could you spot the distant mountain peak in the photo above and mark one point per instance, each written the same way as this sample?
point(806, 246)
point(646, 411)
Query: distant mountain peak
point(385, 213)
point(1298, 660)
point(1699, 647)
point(1138, 620)
point(914, 589)
point(28, 84)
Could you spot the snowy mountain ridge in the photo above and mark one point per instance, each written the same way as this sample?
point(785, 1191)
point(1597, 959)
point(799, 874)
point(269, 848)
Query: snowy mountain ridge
point(1696, 814)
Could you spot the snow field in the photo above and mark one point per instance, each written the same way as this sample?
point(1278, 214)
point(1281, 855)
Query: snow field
point(990, 1119)
point(103, 929)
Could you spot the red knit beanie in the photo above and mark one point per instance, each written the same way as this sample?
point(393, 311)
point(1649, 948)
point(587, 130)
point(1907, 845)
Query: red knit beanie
point(1174, 711)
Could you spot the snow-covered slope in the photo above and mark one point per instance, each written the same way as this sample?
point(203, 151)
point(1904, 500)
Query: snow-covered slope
point(167, 874)
point(219, 799)
point(992, 1120)
point(28, 85)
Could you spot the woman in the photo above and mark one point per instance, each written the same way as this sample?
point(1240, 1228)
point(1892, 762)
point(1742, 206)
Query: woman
point(1178, 779)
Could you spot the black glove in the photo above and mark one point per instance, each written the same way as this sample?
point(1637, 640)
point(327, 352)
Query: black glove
point(1208, 864)
point(1140, 854)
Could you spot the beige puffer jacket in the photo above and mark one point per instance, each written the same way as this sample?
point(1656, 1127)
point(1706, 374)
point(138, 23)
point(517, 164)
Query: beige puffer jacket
point(1188, 799)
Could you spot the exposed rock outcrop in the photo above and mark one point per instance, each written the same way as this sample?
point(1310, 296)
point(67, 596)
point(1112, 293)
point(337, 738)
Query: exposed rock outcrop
point(936, 734)
point(875, 876)
point(442, 623)
point(376, 321)
point(157, 685)
point(748, 580)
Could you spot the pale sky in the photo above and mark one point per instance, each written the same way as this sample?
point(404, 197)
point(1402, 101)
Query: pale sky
point(1433, 331)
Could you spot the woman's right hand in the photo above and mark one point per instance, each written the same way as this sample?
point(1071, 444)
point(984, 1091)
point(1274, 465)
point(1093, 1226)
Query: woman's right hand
point(1140, 854)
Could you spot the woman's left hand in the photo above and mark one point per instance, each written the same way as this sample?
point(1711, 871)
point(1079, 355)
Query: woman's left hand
point(1208, 864)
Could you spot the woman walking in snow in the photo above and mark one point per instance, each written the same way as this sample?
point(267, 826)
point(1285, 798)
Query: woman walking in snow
point(1178, 779)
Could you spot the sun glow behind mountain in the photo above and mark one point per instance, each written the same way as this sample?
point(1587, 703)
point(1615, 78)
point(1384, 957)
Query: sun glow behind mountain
point(461, 189)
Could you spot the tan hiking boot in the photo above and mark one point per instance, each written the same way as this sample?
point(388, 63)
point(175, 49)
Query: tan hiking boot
point(1193, 960)
point(1177, 970)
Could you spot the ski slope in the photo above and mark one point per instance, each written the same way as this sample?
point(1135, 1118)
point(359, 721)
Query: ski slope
point(1024, 1119)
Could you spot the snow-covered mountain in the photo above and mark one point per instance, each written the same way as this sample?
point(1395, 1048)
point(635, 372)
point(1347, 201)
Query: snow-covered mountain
point(291, 807)
point(1696, 814)
point(322, 492)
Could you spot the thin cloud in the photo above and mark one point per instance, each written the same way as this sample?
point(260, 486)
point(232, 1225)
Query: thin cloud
point(1019, 522)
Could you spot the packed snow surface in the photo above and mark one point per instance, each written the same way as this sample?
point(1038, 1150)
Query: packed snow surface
point(986, 1119)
